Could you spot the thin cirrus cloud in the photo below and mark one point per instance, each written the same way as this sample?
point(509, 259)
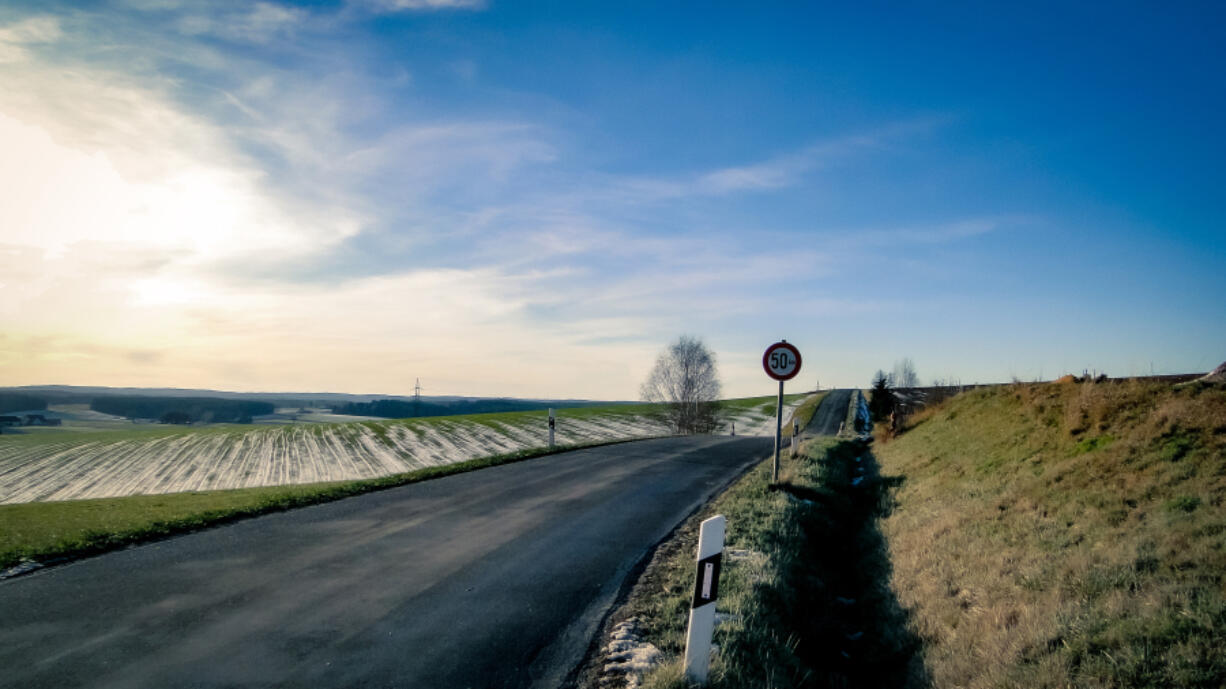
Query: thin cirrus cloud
point(942, 233)
point(782, 170)
point(259, 23)
point(420, 5)
point(16, 38)
point(435, 154)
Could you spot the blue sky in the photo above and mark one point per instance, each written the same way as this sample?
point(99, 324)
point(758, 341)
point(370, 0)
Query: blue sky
point(532, 199)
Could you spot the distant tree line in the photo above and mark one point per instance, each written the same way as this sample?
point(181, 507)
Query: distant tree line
point(402, 409)
point(16, 401)
point(885, 404)
point(181, 409)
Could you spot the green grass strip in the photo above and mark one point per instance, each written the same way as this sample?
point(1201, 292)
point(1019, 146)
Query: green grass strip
point(803, 413)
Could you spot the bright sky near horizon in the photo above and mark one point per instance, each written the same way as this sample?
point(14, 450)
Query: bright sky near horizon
point(532, 199)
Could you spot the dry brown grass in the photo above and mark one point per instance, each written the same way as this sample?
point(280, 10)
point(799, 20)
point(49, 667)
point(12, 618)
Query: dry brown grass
point(1066, 534)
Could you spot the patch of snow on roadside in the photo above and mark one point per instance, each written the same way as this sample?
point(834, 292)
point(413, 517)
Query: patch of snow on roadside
point(627, 657)
point(752, 422)
point(1217, 375)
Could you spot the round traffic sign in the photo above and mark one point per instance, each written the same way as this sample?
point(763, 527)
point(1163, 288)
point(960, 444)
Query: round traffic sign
point(781, 361)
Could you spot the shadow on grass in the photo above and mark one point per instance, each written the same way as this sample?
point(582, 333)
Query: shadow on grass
point(850, 629)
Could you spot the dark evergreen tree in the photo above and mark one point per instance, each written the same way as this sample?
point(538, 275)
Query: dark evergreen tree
point(204, 409)
point(882, 401)
point(16, 401)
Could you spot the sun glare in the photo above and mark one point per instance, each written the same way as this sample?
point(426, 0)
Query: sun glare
point(161, 291)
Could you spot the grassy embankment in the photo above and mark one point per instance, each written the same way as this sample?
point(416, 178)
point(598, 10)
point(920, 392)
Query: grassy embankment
point(1065, 535)
point(804, 596)
point(803, 413)
point(1038, 536)
point(43, 531)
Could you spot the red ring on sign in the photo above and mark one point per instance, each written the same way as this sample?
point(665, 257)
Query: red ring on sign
point(766, 359)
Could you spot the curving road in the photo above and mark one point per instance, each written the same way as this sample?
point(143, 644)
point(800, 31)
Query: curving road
point(830, 413)
point(494, 578)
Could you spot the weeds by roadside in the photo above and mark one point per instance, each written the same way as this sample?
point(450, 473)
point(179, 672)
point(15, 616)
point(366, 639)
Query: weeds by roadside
point(804, 595)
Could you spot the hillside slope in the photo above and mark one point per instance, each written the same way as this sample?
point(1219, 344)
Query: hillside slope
point(1065, 535)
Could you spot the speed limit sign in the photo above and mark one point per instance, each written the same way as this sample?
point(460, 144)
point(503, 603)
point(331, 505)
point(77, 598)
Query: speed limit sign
point(781, 361)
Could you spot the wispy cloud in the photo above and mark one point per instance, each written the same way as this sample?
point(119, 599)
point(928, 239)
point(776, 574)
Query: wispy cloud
point(419, 5)
point(15, 37)
point(939, 233)
point(258, 23)
point(779, 171)
point(431, 153)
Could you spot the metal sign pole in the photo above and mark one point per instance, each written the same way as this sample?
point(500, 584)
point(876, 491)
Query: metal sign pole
point(778, 432)
point(782, 362)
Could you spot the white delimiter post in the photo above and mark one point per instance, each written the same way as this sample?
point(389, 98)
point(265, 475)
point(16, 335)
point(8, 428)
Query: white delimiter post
point(706, 591)
point(551, 424)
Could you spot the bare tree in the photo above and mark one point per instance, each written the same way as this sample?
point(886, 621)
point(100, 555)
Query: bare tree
point(685, 383)
point(904, 375)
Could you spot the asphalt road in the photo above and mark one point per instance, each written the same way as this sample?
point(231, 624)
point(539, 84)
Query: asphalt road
point(830, 414)
point(494, 578)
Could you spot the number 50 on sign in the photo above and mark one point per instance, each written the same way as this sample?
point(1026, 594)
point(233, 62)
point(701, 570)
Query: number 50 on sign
point(781, 361)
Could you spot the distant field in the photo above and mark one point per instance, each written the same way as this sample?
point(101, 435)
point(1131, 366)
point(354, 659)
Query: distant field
point(95, 455)
point(285, 415)
point(79, 417)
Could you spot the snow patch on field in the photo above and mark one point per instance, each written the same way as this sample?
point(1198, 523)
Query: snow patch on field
point(212, 459)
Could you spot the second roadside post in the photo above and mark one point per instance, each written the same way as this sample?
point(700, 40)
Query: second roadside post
point(782, 362)
point(551, 426)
